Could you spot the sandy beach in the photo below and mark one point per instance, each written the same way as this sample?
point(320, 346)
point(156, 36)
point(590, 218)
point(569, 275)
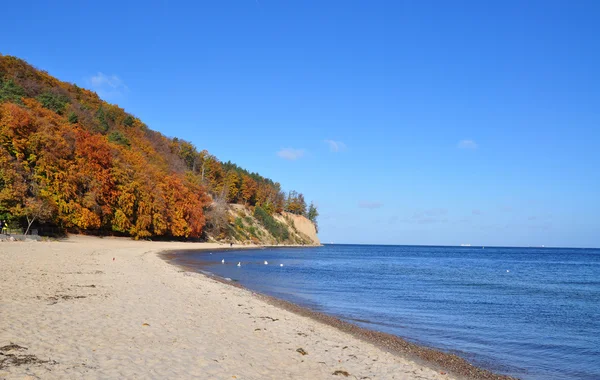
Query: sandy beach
point(109, 308)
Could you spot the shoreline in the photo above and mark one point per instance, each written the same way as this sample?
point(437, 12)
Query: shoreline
point(88, 307)
point(394, 344)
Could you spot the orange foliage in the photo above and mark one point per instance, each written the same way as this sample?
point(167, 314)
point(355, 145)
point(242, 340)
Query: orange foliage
point(86, 181)
point(92, 166)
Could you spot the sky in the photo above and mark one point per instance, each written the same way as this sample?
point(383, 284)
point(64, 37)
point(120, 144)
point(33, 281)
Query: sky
point(406, 122)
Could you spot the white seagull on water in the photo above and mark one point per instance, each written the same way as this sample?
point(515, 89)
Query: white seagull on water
point(280, 265)
point(223, 261)
point(266, 262)
point(239, 264)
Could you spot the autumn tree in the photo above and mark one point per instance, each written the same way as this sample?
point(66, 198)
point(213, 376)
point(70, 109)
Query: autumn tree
point(232, 187)
point(295, 203)
point(187, 152)
point(248, 190)
point(278, 199)
point(36, 208)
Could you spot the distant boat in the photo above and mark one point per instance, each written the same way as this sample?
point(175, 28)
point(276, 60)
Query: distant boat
point(465, 245)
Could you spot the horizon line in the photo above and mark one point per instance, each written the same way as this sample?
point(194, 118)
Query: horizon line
point(462, 246)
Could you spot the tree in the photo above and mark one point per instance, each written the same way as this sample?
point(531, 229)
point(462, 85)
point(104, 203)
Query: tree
point(128, 121)
point(53, 101)
point(295, 203)
point(313, 214)
point(73, 118)
point(279, 199)
point(102, 119)
point(36, 208)
point(187, 152)
point(232, 187)
point(10, 91)
point(205, 159)
point(248, 190)
point(301, 204)
point(119, 138)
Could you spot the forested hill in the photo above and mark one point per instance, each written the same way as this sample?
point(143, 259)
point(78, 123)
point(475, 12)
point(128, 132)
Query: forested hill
point(73, 161)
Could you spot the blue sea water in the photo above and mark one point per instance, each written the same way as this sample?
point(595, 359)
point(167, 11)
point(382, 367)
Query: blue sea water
point(533, 313)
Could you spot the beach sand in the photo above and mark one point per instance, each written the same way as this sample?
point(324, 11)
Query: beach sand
point(112, 308)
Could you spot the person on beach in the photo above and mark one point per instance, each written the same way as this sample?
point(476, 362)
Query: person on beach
point(3, 227)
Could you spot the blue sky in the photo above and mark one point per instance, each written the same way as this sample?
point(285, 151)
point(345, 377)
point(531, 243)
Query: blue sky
point(416, 122)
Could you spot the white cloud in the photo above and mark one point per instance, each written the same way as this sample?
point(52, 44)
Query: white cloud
point(291, 154)
point(101, 79)
point(467, 144)
point(107, 85)
point(370, 205)
point(335, 146)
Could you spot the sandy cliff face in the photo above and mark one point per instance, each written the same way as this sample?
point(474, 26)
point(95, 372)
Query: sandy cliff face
point(303, 225)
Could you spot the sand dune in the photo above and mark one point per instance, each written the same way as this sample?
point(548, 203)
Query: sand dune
point(88, 308)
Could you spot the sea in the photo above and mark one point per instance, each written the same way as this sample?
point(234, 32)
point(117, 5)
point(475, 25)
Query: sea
point(532, 313)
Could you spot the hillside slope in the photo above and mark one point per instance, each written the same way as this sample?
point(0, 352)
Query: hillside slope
point(248, 226)
point(70, 161)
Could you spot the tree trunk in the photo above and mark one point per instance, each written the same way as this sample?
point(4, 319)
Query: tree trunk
point(29, 223)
